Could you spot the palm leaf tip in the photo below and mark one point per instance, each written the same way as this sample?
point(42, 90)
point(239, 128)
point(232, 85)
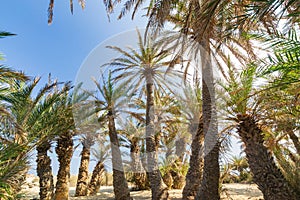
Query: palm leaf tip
point(50, 12)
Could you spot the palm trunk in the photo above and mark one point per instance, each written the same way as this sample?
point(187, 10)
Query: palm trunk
point(193, 177)
point(180, 149)
point(139, 174)
point(119, 181)
point(266, 174)
point(44, 171)
point(158, 188)
point(209, 188)
point(64, 152)
point(83, 175)
point(95, 182)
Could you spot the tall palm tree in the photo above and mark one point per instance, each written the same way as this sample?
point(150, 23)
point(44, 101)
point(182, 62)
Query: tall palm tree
point(110, 100)
point(245, 113)
point(146, 69)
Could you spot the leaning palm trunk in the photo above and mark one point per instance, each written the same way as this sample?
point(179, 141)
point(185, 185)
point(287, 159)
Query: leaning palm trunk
point(193, 177)
point(64, 152)
point(209, 188)
point(266, 174)
point(95, 182)
point(83, 175)
point(44, 171)
point(158, 188)
point(121, 189)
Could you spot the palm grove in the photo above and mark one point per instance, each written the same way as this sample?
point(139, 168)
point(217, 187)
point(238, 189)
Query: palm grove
point(256, 99)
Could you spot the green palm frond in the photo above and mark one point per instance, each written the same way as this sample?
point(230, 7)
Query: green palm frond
point(286, 56)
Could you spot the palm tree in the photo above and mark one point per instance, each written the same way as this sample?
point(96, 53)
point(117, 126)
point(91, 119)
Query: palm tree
point(32, 122)
point(266, 174)
point(64, 148)
point(240, 164)
point(132, 133)
point(87, 124)
point(101, 153)
point(83, 174)
point(51, 125)
point(192, 105)
point(108, 103)
point(282, 99)
point(146, 69)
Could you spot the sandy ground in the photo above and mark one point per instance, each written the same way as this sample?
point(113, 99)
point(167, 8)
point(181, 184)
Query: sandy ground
point(232, 191)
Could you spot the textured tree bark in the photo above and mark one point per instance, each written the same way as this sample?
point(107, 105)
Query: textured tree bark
point(139, 174)
point(158, 189)
point(193, 177)
point(44, 171)
point(95, 182)
point(266, 174)
point(121, 189)
point(209, 188)
point(83, 174)
point(64, 152)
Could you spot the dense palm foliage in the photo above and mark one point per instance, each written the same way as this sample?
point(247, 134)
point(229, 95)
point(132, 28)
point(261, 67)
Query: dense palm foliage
point(136, 106)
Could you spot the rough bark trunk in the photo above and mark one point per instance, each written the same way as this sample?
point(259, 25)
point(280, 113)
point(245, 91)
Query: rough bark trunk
point(158, 189)
point(83, 174)
point(121, 189)
point(95, 182)
point(44, 171)
point(266, 174)
point(193, 176)
point(209, 188)
point(139, 174)
point(64, 152)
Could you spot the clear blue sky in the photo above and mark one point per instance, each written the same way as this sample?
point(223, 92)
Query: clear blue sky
point(60, 48)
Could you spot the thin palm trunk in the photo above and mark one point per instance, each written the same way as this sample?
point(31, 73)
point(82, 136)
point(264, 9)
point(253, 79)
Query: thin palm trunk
point(266, 174)
point(64, 152)
point(193, 177)
point(95, 182)
point(121, 189)
point(158, 188)
point(83, 175)
point(44, 171)
point(209, 188)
